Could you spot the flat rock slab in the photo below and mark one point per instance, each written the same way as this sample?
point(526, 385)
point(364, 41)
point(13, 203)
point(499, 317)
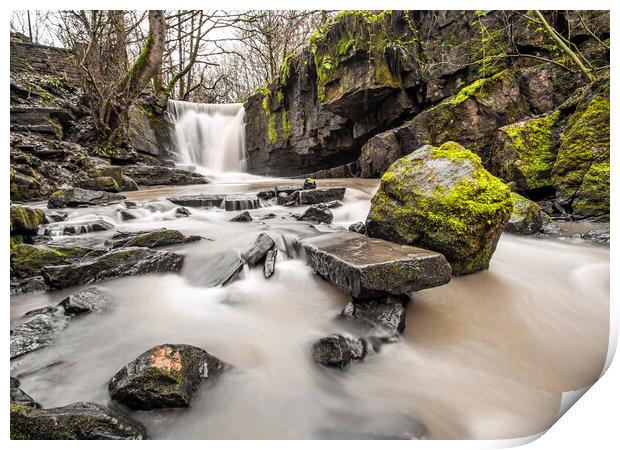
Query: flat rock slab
point(365, 267)
point(323, 195)
point(230, 202)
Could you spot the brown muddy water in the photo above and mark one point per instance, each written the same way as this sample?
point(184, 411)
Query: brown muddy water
point(487, 356)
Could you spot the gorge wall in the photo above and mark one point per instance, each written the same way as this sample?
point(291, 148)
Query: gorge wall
point(371, 88)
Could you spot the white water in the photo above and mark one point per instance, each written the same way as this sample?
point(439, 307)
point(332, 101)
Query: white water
point(209, 136)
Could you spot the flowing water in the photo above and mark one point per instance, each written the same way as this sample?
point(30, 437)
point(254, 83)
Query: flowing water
point(486, 356)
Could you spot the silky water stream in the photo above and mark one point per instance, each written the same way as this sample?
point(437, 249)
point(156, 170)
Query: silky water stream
point(486, 356)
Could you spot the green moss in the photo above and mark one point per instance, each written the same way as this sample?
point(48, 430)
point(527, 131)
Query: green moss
point(479, 89)
point(286, 126)
point(26, 220)
point(273, 132)
point(533, 144)
point(581, 171)
point(456, 217)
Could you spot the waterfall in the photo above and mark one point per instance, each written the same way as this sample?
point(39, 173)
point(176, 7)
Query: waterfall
point(209, 135)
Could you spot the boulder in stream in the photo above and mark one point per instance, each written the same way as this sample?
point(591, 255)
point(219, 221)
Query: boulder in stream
point(386, 316)
point(198, 200)
point(77, 197)
point(338, 351)
point(366, 267)
point(259, 250)
point(358, 227)
point(318, 214)
point(26, 221)
point(322, 195)
point(165, 376)
point(243, 217)
point(526, 217)
point(77, 421)
point(442, 199)
point(150, 239)
point(113, 264)
point(270, 263)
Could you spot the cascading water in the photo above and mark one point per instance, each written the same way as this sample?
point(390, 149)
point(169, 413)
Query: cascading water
point(209, 135)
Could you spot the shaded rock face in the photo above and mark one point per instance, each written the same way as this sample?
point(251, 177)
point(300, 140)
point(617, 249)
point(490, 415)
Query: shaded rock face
point(159, 175)
point(26, 221)
point(364, 267)
point(116, 263)
point(77, 197)
point(526, 217)
point(263, 244)
point(28, 260)
point(337, 350)
point(75, 421)
point(366, 73)
point(442, 199)
point(164, 376)
point(385, 316)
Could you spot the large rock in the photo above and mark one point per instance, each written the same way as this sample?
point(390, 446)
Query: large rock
point(28, 260)
point(26, 221)
point(99, 223)
point(526, 217)
point(84, 302)
point(322, 195)
point(160, 175)
point(199, 200)
point(442, 199)
point(113, 264)
point(107, 184)
point(77, 421)
point(366, 267)
point(164, 376)
point(153, 239)
point(77, 197)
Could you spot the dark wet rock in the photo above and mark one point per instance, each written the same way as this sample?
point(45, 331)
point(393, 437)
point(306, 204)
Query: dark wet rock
point(77, 421)
point(259, 249)
point(152, 239)
point(318, 214)
point(86, 301)
point(385, 315)
point(270, 263)
point(266, 194)
point(334, 204)
point(322, 195)
point(160, 175)
point(199, 200)
point(526, 217)
point(238, 202)
point(26, 221)
point(600, 235)
point(113, 264)
point(309, 183)
point(107, 184)
point(164, 376)
point(442, 199)
point(36, 333)
point(28, 260)
point(19, 397)
point(77, 197)
point(243, 217)
point(550, 229)
point(125, 216)
point(268, 216)
point(365, 267)
point(128, 184)
point(55, 216)
point(227, 271)
point(32, 284)
point(287, 189)
point(338, 351)
point(283, 198)
point(358, 227)
point(130, 205)
point(182, 211)
point(78, 227)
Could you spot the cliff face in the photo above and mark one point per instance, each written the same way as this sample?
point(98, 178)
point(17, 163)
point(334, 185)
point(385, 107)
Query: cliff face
point(370, 88)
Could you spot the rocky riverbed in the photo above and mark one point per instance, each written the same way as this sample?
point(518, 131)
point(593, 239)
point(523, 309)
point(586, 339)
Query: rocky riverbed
point(246, 297)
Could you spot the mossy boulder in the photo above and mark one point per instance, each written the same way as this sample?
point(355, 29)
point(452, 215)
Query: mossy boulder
point(72, 422)
point(77, 197)
point(442, 199)
point(525, 152)
point(581, 172)
point(165, 376)
point(28, 260)
point(26, 221)
point(526, 217)
point(152, 239)
point(107, 184)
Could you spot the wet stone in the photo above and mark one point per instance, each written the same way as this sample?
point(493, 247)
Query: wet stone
point(318, 214)
point(338, 351)
point(151, 239)
point(365, 267)
point(243, 217)
point(199, 200)
point(259, 250)
point(358, 227)
point(165, 376)
point(77, 197)
point(270, 263)
point(323, 195)
point(386, 316)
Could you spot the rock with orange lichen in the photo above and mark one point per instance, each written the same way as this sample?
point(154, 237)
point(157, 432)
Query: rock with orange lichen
point(165, 376)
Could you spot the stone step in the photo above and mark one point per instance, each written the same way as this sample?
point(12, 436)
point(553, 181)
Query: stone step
point(230, 202)
point(366, 267)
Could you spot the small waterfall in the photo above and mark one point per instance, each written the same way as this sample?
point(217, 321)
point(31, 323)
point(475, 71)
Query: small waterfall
point(209, 135)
